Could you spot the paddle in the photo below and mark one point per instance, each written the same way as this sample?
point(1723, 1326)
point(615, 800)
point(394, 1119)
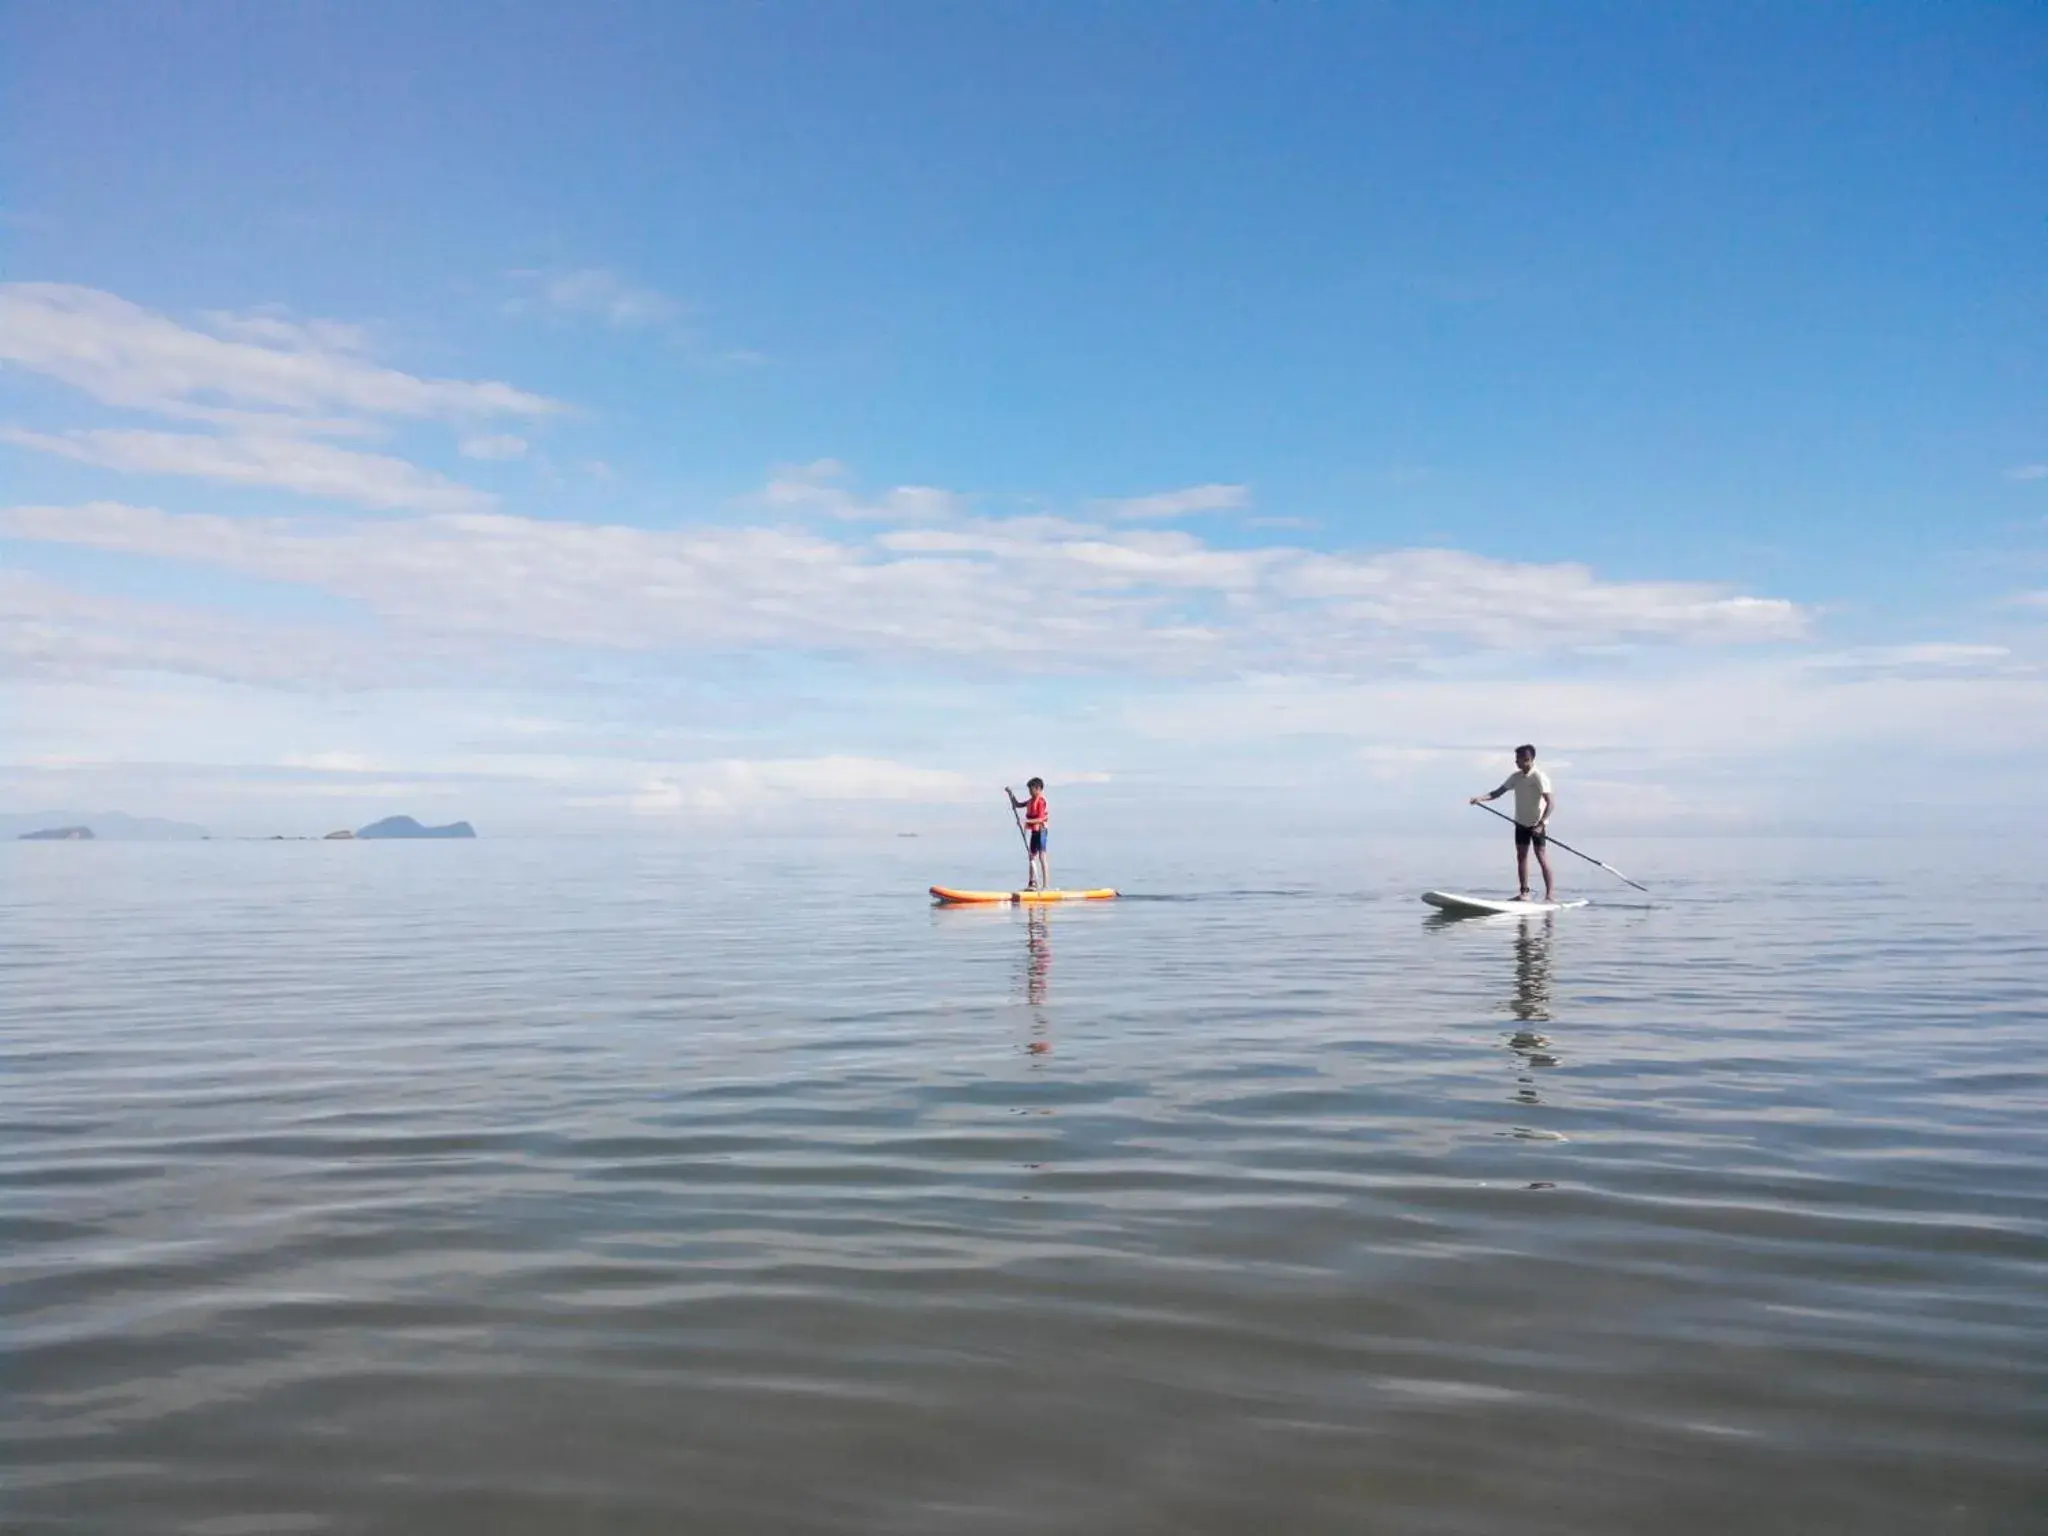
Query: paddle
point(1568, 848)
point(1018, 816)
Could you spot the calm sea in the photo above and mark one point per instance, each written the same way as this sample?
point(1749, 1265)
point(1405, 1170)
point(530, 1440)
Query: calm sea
point(552, 1187)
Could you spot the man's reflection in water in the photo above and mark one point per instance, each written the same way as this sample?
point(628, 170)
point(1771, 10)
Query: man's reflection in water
point(1037, 977)
point(1530, 1005)
point(1532, 969)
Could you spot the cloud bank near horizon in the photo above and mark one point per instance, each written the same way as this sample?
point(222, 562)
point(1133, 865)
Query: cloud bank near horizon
point(346, 616)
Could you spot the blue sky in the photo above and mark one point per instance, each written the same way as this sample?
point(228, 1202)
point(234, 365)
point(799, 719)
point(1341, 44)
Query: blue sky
point(687, 417)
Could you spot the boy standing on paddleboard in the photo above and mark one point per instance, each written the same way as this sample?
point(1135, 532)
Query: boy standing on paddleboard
point(1037, 816)
point(1533, 804)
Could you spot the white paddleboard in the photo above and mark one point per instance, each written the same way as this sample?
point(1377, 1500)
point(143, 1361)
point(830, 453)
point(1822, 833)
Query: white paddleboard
point(1481, 906)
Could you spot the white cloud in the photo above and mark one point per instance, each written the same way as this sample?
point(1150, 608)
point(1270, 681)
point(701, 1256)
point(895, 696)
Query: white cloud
point(730, 785)
point(1728, 738)
point(916, 503)
point(1407, 666)
point(2028, 472)
point(1696, 713)
point(593, 293)
point(1506, 604)
point(274, 327)
point(285, 462)
point(1023, 594)
point(240, 757)
point(333, 762)
point(493, 445)
point(1181, 503)
point(798, 484)
point(267, 384)
point(817, 488)
point(50, 631)
point(1925, 656)
point(124, 355)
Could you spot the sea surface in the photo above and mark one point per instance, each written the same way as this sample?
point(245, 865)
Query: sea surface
point(588, 1187)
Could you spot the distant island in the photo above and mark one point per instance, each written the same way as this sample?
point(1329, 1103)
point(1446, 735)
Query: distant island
point(58, 835)
point(405, 826)
point(104, 826)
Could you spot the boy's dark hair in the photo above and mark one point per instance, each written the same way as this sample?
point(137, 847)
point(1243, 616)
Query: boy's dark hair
point(1525, 747)
point(1034, 783)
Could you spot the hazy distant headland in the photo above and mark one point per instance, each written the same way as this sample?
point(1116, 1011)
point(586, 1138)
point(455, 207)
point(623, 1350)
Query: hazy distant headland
point(405, 826)
point(112, 826)
point(74, 826)
point(389, 827)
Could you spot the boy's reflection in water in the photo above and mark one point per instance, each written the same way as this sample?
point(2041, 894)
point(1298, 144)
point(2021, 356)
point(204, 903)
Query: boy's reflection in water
point(1037, 977)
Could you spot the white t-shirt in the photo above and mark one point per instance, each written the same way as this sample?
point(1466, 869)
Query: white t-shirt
point(1529, 788)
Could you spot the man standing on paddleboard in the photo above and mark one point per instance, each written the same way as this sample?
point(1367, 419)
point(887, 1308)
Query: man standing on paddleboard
point(1533, 805)
point(1037, 818)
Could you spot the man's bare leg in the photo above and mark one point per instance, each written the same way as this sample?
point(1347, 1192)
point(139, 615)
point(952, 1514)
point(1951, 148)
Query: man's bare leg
point(1521, 873)
point(1543, 862)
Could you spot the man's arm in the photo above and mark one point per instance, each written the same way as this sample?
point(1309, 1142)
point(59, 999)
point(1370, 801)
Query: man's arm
point(1493, 795)
point(1544, 807)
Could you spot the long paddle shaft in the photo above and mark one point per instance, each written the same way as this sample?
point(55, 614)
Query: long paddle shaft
point(1018, 816)
point(1568, 848)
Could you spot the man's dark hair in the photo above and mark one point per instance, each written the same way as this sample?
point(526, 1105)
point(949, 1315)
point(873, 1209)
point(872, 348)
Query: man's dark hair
point(1034, 783)
point(1525, 747)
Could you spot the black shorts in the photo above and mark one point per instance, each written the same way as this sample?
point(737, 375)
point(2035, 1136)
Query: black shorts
point(1525, 836)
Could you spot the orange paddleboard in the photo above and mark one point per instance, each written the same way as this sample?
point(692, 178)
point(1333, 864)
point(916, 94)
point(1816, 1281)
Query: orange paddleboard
point(947, 896)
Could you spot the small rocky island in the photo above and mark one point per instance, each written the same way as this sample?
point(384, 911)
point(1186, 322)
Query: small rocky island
point(405, 826)
point(58, 835)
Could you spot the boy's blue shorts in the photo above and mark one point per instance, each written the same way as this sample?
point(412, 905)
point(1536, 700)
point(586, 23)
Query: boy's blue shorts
point(1038, 841)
